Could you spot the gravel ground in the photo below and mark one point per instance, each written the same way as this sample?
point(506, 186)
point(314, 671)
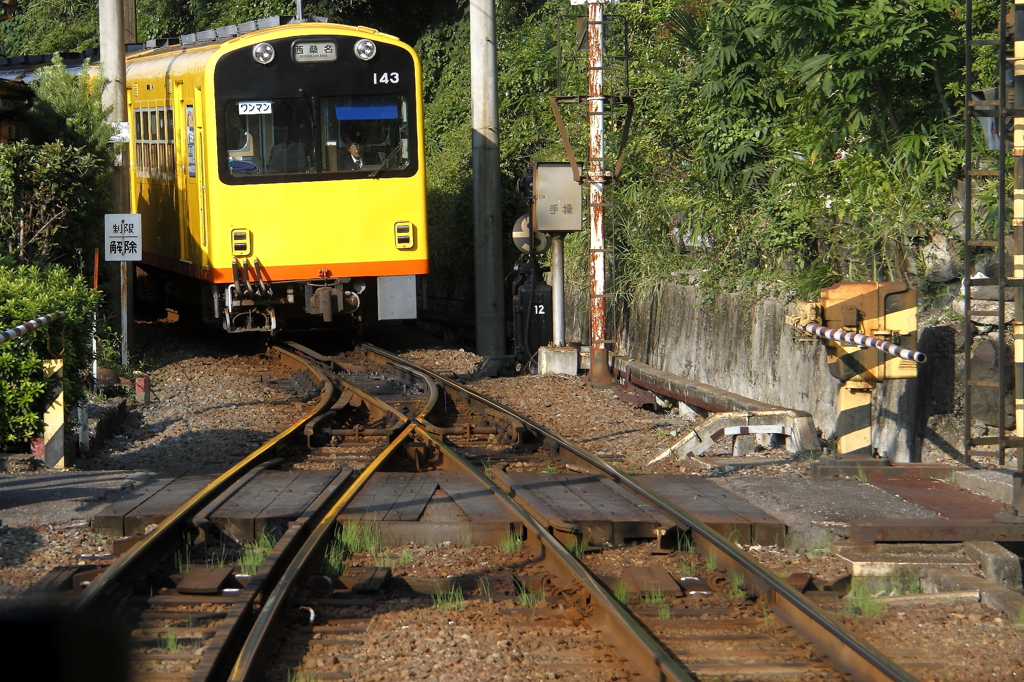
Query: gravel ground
point(214, 399)
point(225, 394)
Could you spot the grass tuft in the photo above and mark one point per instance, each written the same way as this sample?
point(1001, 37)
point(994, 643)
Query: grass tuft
point(861, 601)
point(664, 612)
point(819, 543)
point(684, 543)
point(711, 562)
point(903, 582)
point(736, 583)
point(620, 592)
point(511, 543)
point(578, 546)
point(486, 588)
point(687, 568)
point(362, 536)
point(655, 597)
point(336, 558)
point(450, 599)
point(255, 552)
point(170, 642)
point(527, 598)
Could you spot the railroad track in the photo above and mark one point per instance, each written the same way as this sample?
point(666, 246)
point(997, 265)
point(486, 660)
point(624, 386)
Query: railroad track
point(413, 456)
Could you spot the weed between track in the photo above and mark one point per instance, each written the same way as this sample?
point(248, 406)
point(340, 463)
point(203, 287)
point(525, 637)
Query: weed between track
point(450, 599)
point(255, 552)
point(511, 543)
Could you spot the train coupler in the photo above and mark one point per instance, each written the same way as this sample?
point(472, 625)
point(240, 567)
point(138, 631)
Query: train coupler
point(255, 319)
point(328, 296)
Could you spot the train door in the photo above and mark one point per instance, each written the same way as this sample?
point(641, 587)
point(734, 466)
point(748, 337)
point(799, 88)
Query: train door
point(185, 185)
point(198, 229)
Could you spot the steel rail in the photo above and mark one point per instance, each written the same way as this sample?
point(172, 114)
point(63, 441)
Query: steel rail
point(610, 618)
point(163, 532)
point(848, 652)
point(428, 385)
point(246, 664)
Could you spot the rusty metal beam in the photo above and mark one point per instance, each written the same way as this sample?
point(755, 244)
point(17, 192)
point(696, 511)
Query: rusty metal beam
point(934, 530)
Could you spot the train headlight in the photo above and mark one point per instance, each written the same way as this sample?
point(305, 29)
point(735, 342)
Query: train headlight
point(263, 53)
point(365, 49)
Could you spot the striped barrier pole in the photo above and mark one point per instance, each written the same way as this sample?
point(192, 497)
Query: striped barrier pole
point(50, 447)
point(862, 340)
point(30, 326)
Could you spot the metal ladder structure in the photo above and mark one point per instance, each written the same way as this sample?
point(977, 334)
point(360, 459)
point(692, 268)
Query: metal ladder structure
point(1005, 129)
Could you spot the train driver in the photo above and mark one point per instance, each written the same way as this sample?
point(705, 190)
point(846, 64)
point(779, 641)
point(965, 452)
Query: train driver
point(354, 159)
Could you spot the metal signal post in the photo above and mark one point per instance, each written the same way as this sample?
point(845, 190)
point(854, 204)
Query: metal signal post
point(595, 174)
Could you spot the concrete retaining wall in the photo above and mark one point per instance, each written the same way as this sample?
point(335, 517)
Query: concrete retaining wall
point(747, 349)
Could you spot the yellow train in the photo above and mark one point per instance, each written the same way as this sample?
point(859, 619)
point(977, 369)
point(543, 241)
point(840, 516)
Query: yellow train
point(278, 168)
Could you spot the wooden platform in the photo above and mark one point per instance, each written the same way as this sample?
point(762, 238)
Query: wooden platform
point(609, 512)
point(149, 504)
point(732, 516)
point(432, 507)
point(269, 501)
point(427, 508)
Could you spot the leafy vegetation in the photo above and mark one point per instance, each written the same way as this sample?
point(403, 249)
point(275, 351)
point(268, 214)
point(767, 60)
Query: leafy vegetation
point(777, 147)
point(53, 189)
point(26, 292)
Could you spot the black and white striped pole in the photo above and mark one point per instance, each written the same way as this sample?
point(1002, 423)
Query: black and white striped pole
point(31, 325)
point(862, 340)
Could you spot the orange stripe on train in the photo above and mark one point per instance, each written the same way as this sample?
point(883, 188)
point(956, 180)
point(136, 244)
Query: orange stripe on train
point(285, 273)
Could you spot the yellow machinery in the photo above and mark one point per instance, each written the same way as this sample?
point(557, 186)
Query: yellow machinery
point(279, 171)
point(871, 334)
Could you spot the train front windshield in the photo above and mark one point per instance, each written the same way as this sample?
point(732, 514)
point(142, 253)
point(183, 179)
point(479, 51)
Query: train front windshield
point(303, 135)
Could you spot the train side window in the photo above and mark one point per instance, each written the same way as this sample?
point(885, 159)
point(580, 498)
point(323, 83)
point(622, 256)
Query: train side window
point(171, 164)
point(140, 161)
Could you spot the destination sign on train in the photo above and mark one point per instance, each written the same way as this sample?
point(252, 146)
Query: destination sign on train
point(314, 52)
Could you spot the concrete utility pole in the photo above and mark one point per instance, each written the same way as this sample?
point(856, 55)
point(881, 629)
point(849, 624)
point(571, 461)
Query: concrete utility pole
point(112, 40)
point(599, 371)
point(490, 299)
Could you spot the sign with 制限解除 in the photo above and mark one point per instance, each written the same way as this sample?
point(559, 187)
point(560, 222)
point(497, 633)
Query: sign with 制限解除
point(122, 236)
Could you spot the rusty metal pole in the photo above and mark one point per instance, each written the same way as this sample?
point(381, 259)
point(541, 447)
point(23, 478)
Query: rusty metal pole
point(599, 372)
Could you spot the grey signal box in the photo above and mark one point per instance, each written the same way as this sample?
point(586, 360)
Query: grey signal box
point(557, 198)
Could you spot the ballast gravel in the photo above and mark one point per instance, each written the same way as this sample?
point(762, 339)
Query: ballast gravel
point(215, 398)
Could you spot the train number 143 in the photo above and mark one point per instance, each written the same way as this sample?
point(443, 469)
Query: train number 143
point(386, 77)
